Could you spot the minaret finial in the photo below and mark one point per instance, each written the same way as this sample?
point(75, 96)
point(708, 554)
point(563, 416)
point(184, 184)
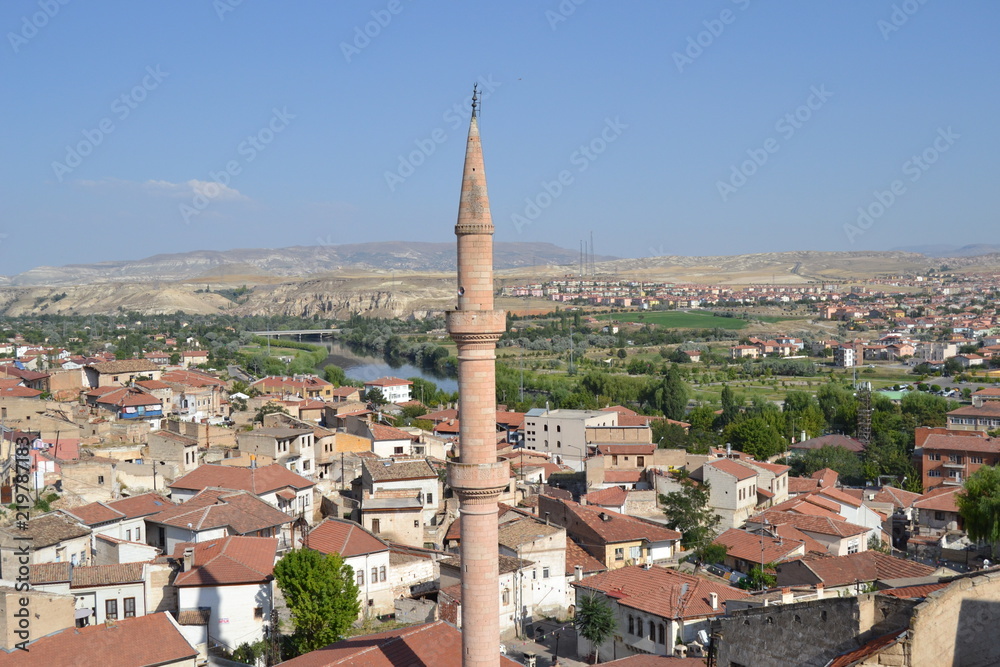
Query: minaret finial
point(475, 98)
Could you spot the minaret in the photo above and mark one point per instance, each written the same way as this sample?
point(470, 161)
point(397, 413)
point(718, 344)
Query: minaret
point(478, 478)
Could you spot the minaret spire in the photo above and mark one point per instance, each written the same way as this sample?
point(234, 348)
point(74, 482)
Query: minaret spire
point(477, 478)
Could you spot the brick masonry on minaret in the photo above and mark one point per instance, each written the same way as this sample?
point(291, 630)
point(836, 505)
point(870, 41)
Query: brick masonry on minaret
point(477, 478)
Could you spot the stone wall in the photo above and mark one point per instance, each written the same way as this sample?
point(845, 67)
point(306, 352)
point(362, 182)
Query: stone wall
point(957, 625)
point(807, 633)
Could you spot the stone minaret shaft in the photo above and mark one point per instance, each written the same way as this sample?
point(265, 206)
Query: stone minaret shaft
point(478, 478)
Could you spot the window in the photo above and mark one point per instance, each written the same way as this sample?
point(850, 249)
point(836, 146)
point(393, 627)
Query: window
point(545, 428)
point(258, 612)
point(939, 516)
point(506, 596)
point(559, 444)
point(640, 461)
point(662, 639)
point(975, 459)
point(128, 535)
point(374, 575)
point(381, 573)
point(430, 498)
point(631, 624)
point(558, 428)
point(397, 450)
point(620, 553)
point(100, 479)
point(545, 573)
point(933, 473)
point(852, 547)
point(138, 535)
point(416, 523)
point(111, 609)
point(377, 526)
point(361, 577)
point(652, 632)
point(635, 553)
point(129, 607)
point(305, 464)
point(955, 458)
point(933, 456)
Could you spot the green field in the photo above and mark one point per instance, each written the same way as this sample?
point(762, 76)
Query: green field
point(678, 319)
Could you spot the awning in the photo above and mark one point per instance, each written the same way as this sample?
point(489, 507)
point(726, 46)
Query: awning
point(286, 494)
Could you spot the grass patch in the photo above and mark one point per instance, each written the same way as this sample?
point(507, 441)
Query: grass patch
point(673, 319)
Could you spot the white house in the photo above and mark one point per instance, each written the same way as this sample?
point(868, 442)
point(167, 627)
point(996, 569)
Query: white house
point(54, 538)
point(103, 592)
point(394, 390)
point(367, 555)
point(231, 577)
point(387, 478)
point(531, 539)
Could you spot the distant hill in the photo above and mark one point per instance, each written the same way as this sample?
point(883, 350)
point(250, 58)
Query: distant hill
point(297, 261)
point(943, 250)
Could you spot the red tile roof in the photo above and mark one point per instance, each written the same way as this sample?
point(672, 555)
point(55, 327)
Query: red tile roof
point(383, 432)
point(661, 591)
point(813, 524)
point(142, 505)
point(575, 555)
point(92, 514)
point(614, 496)
point(388, 382)
point(230, 560)
point(255, 480)
point(733, 468)
point(864, 566)
point(747, 546)
point(343, 537)
point(144, 641)
point(869, 649)
point(941, 499)
point(961, 443)
point(825, 477)
point(610, 526)
point(239, 511)
point(438, 644)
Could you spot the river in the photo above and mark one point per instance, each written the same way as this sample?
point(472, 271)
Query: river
point(364, 367)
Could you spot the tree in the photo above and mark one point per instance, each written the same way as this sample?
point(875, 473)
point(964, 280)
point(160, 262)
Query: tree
point(595, 621)
point(175, 358)
point(756, 437)
point(844, 461)
point(335, 375)
point(731, 405)
point(375, 397)
point(268, 409)
point(671, 395)
point(979, 505)
point(758, 579)
point(622, 353)
point(321, 594)
point(688, 511)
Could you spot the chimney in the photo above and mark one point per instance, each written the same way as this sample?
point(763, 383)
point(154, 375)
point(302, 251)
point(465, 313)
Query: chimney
point(820, 593)
point(188, 558)
point(547, 518)
point(713, 598)
point(786, 596)
point(577, 572)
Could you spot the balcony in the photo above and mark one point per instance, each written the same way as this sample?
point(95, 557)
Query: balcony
point(951, 465)
point(953, 481)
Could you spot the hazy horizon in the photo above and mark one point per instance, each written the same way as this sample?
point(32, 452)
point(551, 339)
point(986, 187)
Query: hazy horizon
point(721, 128)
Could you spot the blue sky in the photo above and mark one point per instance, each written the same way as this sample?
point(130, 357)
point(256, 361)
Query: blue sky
point(695, 128)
